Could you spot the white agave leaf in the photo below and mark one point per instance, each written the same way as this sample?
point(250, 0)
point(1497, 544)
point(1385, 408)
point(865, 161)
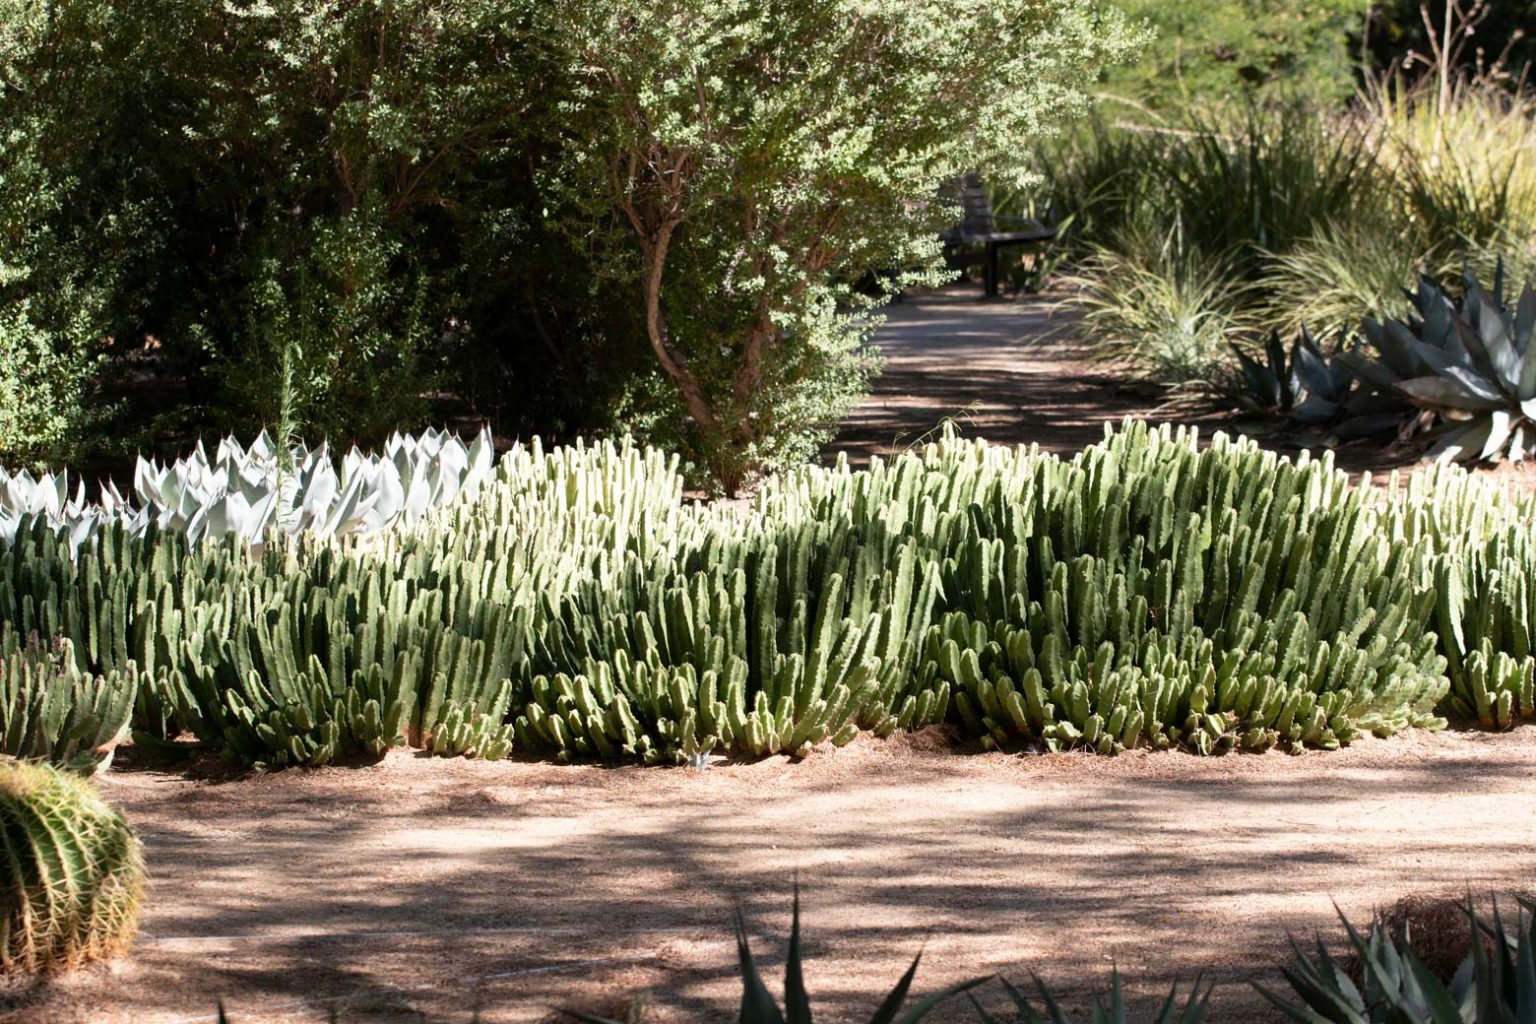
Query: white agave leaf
point(240, 489)
point(229, 449)
point(389, 494)
point(262, 447)
point(56, 491)
point(80, 530)
point(20, 491)
point(227, 515)
point(443, 484)
point(482, 460)
point(347, 507)
point(253, 489)
point(419, 493)
point(259, 517)
point(319, 492)
point(453, 457)
point(1500, 425)
point(402, 459)
point(351, 464)
point(146, 480)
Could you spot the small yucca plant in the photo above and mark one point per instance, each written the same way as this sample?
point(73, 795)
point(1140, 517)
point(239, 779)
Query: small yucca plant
point(1110, 1010)
point(758, 1006)
point(71, 872)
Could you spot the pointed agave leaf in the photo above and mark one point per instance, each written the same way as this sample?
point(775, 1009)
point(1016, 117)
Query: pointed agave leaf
point(1446, 393)
point(757, 1006)
point(1525, 326)
point(1494, 334)
point(797, 1004)
point(1462, 442)
point(1313, 372)
point(1500, 425)
point(925, 1005)
point(889, 1007)
point(1057, 1016)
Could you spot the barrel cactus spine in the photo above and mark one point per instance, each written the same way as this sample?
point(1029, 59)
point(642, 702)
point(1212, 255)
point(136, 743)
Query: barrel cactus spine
point(71, 872)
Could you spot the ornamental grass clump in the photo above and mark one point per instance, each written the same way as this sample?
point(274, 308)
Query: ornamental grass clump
point(71, 872)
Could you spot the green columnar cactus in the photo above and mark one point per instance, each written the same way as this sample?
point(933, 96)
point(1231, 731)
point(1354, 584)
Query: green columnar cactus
point(1146, 591)
point(53, 711)
point(70, 871)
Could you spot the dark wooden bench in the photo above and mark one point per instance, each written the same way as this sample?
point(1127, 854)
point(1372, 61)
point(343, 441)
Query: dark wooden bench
point(980, 227)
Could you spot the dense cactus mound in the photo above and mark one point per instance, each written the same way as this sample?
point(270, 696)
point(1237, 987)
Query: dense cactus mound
point(55, 712)
point(1147, 592)
point(71, 874)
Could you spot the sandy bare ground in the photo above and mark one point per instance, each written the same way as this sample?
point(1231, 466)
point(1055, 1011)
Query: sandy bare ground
point(411, 889)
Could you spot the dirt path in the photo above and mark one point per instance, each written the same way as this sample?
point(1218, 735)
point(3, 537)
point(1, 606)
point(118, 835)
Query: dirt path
point(385, 891)
point(1010, 371)
point(1017, 371)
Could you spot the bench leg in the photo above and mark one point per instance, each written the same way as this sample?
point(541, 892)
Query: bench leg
point(990, 273)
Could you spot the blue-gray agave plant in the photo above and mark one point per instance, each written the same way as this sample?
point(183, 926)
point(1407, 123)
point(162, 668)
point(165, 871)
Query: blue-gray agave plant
point(1495, 984)
point(1472, 365)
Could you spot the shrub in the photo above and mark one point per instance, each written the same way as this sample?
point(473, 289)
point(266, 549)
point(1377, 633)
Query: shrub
point(1266, 51)
point(1327, 283)
point(43, 384)
point(1167, 314)
point(726, 196)
point(71, 872)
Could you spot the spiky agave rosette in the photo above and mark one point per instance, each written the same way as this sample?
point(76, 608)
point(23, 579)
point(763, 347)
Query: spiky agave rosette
point(244, 491)
point(72, 873)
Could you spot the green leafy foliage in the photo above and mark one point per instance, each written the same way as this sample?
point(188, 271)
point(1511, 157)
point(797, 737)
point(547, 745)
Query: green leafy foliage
point(71, 870)
point(726, 197)
point(1261, 49)
point(569, 216)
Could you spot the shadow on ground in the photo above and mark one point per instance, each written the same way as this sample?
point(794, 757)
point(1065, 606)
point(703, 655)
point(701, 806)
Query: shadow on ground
point(417, 888)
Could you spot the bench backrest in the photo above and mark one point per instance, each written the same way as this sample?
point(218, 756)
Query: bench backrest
point(978, 220)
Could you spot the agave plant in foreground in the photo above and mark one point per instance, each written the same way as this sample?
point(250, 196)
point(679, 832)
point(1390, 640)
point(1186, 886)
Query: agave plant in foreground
point(758, 1006)
point(1114, 1011)
point(1495, 983)
point(1472, 365)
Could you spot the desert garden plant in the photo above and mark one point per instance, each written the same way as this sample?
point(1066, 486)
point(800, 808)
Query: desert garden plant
point(1107, 1009)
point(715, 153)
point(1471, 364)
point(70, 871)
point(56, 712)
point(758, 1006)
point(1390, 983)
point(1147, 592)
